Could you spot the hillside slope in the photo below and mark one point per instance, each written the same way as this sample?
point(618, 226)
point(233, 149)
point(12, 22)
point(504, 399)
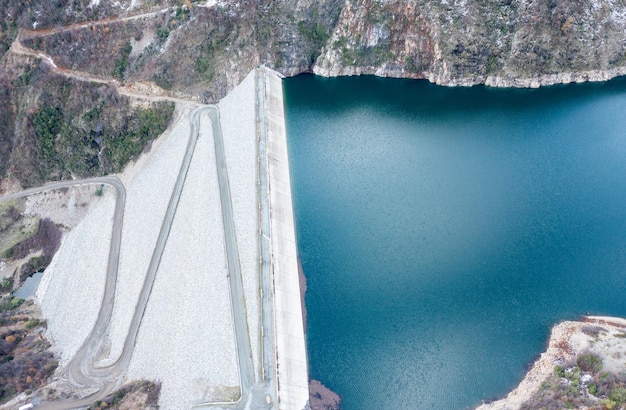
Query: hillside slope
point(202, 49)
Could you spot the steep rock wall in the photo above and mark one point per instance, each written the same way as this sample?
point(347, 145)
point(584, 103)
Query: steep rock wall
point(520, 43)
point(205, 49)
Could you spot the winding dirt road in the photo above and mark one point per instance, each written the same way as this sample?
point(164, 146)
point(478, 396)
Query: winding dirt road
point(256, 392)
point(81, 370)
point(106, 307)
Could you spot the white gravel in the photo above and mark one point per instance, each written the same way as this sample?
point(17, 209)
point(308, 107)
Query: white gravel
point(238, 119)
point(186, 338)
point(71, 288)
point(149, 184)
point(63, 206)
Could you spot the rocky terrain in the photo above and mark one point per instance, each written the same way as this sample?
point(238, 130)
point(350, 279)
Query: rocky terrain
point(31, 230)
point(582, 367)
point(322, 398)
point(504, 43)
point(141, 394)
point(57, 126)
point(25, 361)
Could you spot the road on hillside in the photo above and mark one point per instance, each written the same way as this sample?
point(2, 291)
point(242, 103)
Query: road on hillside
point(255, 394)
point(106, 306)
point(242, 336)
point(18, 48)
point(80, 370)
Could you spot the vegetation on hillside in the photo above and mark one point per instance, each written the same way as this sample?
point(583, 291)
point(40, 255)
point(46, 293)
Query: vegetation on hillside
point(25, 361)
point(141, 394)
point(581, 383)
point(54, 128)
point(69, 128)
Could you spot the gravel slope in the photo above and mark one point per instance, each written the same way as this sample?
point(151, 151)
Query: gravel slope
point(149, 184)
point(186, 338)
point(238, 119)
point(71, 288)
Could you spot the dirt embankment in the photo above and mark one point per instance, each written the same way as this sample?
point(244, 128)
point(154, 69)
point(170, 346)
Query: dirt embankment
point(31, 230)
point(27, 244)
point(29, 238)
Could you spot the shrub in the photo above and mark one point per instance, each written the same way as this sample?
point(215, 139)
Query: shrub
point(589, 362)
point(31, 323)
point(47, 123)
point(559, 370)
point(122, 63)
point(15, 302)
point(8, 253)
point(6, 284)
point(7, 304)
point(163, 33)
point(593, 331)
point(147, 125)
point(618, 394)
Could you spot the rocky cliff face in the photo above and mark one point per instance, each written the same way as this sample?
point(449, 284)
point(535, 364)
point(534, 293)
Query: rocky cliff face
point(202, 49)
point(502, 43)
point(199, 50)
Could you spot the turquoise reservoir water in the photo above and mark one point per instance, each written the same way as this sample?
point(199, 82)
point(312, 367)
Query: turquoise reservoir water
point(443, 231)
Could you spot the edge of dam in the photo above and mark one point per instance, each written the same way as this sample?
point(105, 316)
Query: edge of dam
point(289, 353)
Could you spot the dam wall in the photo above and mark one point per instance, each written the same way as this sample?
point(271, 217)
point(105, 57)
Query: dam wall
point(290, 348)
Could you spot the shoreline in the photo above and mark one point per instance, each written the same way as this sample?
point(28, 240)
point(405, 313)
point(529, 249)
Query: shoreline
point(496, 81)
point(567, 340)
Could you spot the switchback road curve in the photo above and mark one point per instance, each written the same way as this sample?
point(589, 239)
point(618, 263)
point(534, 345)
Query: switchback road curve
point(81, 370)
